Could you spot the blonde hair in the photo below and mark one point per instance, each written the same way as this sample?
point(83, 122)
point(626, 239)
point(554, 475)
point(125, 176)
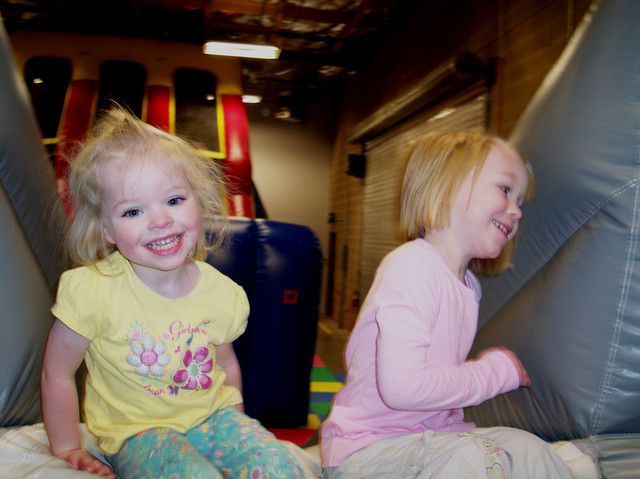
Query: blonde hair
point(120, 136)
point(436, 168)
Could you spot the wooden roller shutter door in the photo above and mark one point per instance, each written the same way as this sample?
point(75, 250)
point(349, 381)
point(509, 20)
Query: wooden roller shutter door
point(386, 156)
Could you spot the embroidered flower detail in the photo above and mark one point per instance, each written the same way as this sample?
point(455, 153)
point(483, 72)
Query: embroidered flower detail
point(148, 357)
point(196, 365)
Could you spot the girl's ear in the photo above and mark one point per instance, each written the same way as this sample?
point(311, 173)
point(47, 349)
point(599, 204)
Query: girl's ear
point(107, 236)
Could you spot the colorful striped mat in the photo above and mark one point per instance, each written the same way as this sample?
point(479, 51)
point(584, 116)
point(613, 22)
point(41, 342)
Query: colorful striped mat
point(324, 384)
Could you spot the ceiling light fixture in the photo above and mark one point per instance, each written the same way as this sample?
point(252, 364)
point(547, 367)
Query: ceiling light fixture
point(251, 98)
point(245, 50)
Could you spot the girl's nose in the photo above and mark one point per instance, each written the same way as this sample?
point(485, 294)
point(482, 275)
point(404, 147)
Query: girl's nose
point(160, 219)
point(515, 211)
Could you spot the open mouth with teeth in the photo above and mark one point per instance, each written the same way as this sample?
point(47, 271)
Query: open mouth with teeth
point(165, 244)
point(501, 227)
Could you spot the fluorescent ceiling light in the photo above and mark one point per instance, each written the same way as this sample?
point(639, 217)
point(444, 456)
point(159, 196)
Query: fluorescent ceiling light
point(251, 98)
point(245, 50)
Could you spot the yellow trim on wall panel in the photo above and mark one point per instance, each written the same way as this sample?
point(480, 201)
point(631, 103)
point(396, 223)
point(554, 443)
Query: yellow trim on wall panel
point(222, 137)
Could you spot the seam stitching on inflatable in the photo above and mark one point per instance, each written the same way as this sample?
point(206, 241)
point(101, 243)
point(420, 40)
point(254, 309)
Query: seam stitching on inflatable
point(603, 437)
point(622, 303)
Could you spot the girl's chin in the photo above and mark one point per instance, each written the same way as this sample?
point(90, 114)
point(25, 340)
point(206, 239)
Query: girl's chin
point(493, 254)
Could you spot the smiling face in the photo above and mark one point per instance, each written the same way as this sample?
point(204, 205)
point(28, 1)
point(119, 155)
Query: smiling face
point(150, 214)
point(487, 213)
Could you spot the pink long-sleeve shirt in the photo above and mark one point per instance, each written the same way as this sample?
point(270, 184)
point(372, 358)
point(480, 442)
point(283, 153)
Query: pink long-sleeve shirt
point(406, 357)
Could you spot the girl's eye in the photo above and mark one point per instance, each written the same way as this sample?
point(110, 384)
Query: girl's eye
point(505, 189)
point(175, 201)
point(131, 213)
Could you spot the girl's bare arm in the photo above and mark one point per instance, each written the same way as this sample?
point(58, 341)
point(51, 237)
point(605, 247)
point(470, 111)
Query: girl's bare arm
point(63, 356)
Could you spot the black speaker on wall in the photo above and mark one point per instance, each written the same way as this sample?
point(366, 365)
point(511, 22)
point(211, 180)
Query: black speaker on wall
point(357, 165)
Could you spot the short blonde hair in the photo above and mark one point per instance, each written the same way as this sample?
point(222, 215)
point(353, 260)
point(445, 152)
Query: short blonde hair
point(435, 171)
point(120, 136)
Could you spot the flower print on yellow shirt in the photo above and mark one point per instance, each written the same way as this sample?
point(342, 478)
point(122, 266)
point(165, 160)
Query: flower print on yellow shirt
point(148, 357)
point(196, 365)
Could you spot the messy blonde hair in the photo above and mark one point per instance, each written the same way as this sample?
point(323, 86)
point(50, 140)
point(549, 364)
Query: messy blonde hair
point(435, 171)
point(120, 136)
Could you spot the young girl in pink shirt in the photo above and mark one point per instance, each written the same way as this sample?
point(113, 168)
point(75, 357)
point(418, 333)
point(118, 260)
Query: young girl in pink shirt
point(400, 413)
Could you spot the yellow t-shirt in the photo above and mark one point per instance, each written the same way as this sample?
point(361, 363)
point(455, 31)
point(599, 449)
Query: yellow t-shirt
point(152, 359)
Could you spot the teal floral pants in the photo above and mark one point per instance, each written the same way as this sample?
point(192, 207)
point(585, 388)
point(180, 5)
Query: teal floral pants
point(228, 444)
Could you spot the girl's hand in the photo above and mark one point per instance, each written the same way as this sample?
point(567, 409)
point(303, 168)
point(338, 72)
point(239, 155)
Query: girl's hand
point(523, 375)
point(83, 460)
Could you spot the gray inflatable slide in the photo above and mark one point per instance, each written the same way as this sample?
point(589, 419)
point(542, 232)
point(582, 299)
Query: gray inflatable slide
point(570, 307)
point(30, 263)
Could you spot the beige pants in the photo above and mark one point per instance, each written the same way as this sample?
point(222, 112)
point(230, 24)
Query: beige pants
point(483, 453)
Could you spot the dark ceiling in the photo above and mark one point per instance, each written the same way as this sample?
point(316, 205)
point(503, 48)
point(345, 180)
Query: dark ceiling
point(321, 40)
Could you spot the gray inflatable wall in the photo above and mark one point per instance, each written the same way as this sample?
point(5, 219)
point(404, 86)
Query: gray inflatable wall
point(29, 264)
point(570, 307)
